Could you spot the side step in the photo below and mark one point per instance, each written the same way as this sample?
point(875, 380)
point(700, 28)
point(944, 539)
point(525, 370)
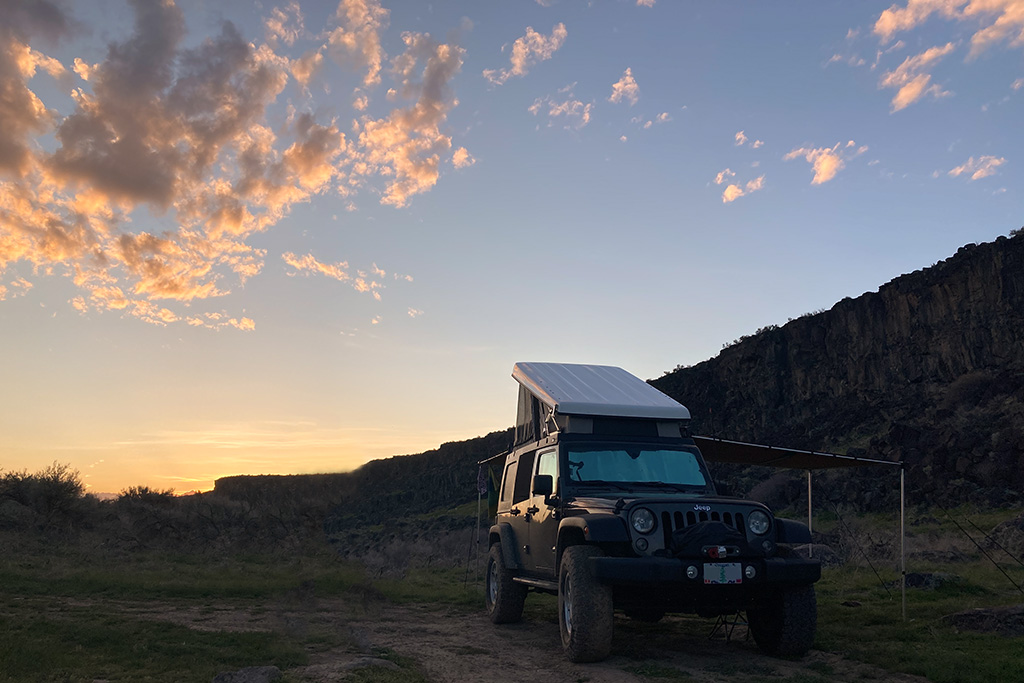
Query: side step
point(542, 584)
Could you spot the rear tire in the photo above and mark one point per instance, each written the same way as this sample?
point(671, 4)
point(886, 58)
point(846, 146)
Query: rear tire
point(585, 609)
point(785, 625)
point(504, 597)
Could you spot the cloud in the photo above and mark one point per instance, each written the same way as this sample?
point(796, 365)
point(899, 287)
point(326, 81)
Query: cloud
point(461, 158)
point(723, 176)
point(22, 112)
point(1017, 84)
point(407, 145)
point(576, 113)
point(827, 161)
point(361, 282)
point(528, 50)
point(625, 89)
point(734, 192)
point(911, 79)
point(850, 60)
point(307, 66)
point(996, 21)
point(415, 313)
point(983, 167)
point(645, 3)
point(356, 40)
point(309, 264)
point(741, 139)
point(284, 25)
point(177, 130)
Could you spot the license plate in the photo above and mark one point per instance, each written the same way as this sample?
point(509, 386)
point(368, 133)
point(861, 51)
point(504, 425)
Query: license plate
point(723, 572)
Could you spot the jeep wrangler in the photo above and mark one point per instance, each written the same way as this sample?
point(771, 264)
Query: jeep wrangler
point(606, 502)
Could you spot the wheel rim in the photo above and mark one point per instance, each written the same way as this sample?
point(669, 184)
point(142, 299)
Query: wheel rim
point(492, 583)
point(567, 604)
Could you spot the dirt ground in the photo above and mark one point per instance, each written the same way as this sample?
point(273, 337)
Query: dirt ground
point(451, 645)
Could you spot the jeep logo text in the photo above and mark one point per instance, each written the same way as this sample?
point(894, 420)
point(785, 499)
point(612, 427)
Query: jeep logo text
point(705, 508)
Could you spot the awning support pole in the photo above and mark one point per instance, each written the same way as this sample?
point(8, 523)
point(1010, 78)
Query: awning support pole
point(903, 540)
point(810, 528)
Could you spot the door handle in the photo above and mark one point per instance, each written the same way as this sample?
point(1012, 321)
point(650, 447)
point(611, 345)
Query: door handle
point(532, 510)
point(514, 511)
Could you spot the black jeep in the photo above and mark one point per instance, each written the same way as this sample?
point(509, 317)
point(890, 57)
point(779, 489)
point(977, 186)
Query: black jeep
point(619, 512)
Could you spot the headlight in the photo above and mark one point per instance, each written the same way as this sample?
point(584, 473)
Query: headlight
point(642, 520)
point(758, 522)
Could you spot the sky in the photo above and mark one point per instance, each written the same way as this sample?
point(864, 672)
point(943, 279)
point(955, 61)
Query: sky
point(247, 237)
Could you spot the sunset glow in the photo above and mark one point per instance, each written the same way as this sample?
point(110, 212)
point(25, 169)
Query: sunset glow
point(255, 237)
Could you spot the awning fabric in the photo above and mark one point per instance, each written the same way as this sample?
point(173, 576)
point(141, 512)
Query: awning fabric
point(723, 450)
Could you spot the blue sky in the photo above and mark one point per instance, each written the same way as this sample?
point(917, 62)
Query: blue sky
point(241, 238)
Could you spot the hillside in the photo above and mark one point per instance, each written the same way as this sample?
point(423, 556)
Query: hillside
point(928, 369)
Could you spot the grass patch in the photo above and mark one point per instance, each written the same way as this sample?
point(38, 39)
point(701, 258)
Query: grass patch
point(85, 644)
point(923, 645)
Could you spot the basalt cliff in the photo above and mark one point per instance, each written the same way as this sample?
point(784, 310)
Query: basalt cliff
point(929, 370)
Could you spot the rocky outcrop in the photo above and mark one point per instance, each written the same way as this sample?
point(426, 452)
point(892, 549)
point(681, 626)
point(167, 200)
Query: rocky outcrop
point(929, 369)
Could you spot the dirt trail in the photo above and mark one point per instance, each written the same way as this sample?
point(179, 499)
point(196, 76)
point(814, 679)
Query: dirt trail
point(452, 646)
point(455, 646)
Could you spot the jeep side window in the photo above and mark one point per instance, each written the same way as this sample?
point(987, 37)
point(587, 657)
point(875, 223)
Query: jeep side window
point(506, 482)
point(547, 463)
point(523, 478)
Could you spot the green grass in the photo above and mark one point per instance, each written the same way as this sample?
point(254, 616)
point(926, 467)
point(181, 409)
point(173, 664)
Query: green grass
point(68, 615)
point(65, 617)
point(83, 644)
point(923, 645)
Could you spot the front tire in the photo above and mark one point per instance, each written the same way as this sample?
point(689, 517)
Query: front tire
point(585, 609)
point(785, 625)
point(504, 597)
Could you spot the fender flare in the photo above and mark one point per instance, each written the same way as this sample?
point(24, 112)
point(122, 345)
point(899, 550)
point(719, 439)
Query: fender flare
point(596, 528)
point(506, 537)
point(788, 531)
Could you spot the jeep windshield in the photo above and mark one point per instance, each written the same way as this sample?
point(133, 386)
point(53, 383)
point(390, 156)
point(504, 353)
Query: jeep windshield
point(626, 465)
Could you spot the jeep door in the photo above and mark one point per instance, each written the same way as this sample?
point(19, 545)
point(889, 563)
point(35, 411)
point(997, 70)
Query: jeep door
point(517, 482)
point(543, 518)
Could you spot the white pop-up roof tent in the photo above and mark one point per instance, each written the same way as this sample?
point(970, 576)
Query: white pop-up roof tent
point(564, 397)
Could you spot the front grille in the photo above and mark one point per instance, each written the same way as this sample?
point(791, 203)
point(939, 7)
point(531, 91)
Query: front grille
point(674, 521)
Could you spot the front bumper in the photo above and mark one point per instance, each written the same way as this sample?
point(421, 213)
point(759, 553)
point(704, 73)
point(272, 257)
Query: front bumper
point(667, 570)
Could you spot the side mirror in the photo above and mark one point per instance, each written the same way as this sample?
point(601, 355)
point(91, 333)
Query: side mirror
point(543, 485)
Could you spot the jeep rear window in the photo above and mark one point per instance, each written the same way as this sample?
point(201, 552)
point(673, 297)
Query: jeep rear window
point(636, 464)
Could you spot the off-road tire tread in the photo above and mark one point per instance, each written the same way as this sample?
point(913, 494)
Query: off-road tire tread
point(592, 608)
point(507, 607)
point(785, 626)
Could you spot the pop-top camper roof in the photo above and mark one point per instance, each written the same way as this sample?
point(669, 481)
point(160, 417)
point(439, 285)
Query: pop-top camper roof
point(550, 392)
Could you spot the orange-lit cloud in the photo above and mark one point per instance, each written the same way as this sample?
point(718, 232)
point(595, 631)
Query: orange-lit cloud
point(362, 281)
point(734, 192)
point(356, 40)
point(983, 167)
point(723, 176)
point(742, 139)
point(626, 89)
point(528, 50)
point(284, 25)
point(180, 131)
point(827, 161)
point(911, 78)
point(574, 112)
point(993, 21)
point(461, 158)
point(408, 144)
